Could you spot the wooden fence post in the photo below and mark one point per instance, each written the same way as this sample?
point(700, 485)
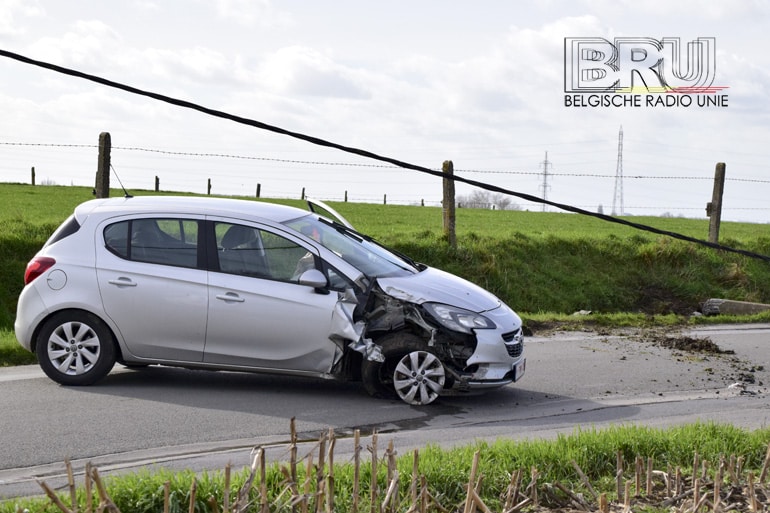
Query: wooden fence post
point(714, 207)
point(208, 187)
point(448, 204)
point(102, 188)
point(259, 189)
point(157, 184)
point(33, 175)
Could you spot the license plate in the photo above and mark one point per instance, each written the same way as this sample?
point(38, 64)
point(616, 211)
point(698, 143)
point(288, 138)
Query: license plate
point(519, 368)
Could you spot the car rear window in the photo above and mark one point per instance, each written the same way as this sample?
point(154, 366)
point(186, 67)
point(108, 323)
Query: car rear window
point(64, 230)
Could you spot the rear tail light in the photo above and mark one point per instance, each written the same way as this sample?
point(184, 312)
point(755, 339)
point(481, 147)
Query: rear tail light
point(36, 267)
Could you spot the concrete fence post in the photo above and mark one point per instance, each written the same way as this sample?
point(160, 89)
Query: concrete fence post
point(714, 207)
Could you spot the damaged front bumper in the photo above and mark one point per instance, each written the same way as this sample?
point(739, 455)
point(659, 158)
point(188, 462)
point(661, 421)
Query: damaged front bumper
point(474, 361)
point(498, 361)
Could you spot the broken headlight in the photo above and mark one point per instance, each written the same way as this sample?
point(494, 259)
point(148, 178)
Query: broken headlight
point(458, 319)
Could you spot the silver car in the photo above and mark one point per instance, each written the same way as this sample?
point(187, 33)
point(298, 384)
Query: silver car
point(240, 285)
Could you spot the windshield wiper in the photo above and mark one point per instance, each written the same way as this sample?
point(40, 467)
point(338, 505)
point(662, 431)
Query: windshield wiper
point(358, 237)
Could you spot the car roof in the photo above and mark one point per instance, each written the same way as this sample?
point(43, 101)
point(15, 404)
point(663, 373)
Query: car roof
point(228, 207)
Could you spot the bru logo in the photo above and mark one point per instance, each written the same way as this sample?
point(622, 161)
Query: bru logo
point(639, 64)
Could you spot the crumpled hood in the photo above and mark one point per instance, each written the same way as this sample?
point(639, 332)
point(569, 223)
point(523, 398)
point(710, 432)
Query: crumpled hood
point(434, 285)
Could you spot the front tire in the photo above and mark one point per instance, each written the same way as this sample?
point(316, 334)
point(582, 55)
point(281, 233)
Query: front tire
point(75, 348)
point(411, 372)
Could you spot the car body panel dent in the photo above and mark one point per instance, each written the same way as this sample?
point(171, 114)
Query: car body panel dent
point(434, 285)
point(346, 330)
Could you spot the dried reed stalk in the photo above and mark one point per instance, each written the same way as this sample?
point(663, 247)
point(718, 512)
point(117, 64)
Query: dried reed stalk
point(330, 475)
point(54, 498)
point(89, 492)
point(470, 487)
point(193, 492)
point(576, 500)
point(319, 477)
point(648, 487)
point(293, 464)
point(696, 494)
point(415, 476)
point(584, 479)
point(718, 484)
point(71, 485)
point(104, 500)
point(512, 493)
point(753, 504)
point(627, 497)
point(619, 474)
point(373, 482)
point(356, 468)
point(306, 491)
point(533, 484)
point(604, 505)
point(765, 466)
point(226, 491)
point(390, 495)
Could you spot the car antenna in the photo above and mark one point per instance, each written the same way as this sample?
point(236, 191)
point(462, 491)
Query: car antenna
point(125, 192)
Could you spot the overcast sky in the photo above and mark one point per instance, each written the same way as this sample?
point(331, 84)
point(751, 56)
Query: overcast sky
point(479, 83)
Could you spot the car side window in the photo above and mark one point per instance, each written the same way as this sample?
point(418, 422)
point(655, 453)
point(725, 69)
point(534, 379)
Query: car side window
point(164, 241)
point(249, 251)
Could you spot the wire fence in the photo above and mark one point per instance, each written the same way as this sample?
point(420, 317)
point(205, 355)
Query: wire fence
point(276, 177)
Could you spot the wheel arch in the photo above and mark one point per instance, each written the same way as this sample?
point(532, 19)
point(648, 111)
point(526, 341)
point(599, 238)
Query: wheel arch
point(106, 322)
point(379, 377)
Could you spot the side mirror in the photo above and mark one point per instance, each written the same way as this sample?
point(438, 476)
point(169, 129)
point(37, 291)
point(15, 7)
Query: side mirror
point(316, 279)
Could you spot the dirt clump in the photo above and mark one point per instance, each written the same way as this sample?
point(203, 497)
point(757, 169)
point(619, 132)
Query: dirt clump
point(685, 343)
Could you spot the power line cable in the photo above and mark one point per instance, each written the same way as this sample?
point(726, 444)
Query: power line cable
point(367, 154)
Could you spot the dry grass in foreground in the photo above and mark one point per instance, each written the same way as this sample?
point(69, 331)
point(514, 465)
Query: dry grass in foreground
point(721, 486)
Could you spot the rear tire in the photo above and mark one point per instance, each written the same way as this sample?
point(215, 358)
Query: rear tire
point(411, 372)
point(75, 348)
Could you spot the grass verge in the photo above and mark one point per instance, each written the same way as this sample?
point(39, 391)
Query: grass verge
point(701, 450)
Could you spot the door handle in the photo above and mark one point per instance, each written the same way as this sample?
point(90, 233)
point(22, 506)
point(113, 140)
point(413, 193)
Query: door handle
point(230, 297)
point(122, 282)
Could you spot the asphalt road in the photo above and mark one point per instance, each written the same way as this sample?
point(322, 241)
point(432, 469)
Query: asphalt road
point(179, 418)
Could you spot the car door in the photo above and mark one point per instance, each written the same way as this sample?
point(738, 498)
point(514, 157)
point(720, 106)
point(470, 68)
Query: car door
point(259, 315)
point(152, 287)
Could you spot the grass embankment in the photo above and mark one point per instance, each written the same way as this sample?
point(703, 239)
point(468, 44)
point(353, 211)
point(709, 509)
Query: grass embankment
point(447, 473)
point(545, 265)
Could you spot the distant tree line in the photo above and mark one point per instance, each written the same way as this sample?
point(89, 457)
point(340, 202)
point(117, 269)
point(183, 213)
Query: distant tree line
point(486, 200)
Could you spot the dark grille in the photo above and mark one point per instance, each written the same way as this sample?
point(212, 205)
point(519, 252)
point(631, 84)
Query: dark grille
point(511, 335)
point(514, 343)
point(516, 349)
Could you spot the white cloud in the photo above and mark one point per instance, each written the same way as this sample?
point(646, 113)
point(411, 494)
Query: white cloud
point(10, 13)
point(259, 13)
point(303, 71)
point(86, 43)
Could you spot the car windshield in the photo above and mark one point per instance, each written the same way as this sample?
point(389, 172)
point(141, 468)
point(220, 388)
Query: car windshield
point(358, 250)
